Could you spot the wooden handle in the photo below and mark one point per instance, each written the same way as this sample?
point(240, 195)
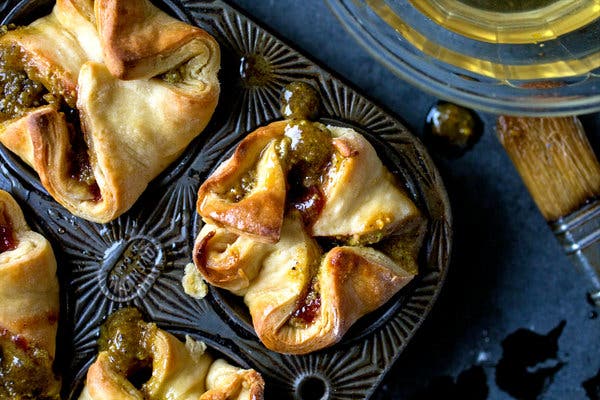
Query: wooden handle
point(555, 160)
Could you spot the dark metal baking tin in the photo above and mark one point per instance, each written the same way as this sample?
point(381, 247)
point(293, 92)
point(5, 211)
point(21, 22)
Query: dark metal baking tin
point(139, 258)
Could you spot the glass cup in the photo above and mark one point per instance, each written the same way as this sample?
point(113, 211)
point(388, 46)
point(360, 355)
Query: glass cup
point(527, 57)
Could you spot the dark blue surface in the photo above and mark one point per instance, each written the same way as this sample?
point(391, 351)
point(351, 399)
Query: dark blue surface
point(507, 273)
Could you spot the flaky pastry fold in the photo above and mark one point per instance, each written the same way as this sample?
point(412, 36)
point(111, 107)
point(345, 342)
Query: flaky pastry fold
point(259, 213)
point(307, 285)
point(28, 283)
point(181, 371)
point(138, 86)
point(361, 197)
point(29, 304)
point(301, 299)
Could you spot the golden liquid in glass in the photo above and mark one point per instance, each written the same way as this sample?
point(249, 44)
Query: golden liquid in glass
point(534, 23)
point(510, 21)
point(507, 5)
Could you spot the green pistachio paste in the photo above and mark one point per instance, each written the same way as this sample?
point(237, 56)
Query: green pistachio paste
point(18, 93)
point(25, 371)
point(299, 100)
point(242, 187)
point(126, 338)
point(307, 148)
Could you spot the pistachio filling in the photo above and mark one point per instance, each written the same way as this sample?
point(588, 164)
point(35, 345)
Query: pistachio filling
point(18, 93)
point(21, 91)
point(25, 370)
point(127, 339)
point(244, 186)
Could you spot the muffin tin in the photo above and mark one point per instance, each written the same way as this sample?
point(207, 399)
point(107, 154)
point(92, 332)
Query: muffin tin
point(138, 259)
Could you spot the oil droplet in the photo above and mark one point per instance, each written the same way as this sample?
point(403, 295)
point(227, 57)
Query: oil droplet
point(255, 70)
point(592, 387)
point(529, 362)
point(593, 298)
point(451, 129)
point(61, 230)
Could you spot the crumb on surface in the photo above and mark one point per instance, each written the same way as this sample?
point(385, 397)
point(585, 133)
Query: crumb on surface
point(193, 283)
point(195, 347)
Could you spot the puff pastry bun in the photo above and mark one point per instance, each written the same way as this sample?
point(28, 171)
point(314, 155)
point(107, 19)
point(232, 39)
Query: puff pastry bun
point(182, 371)
point(29, 308)
point(310, 254)
point(129, 88)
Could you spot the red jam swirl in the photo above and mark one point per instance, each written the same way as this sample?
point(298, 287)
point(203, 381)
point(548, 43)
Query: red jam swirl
point(8, 241)
point(80, 168)
point(19, 341)
point(95, 191)
point(309, 308)
point(310, 204)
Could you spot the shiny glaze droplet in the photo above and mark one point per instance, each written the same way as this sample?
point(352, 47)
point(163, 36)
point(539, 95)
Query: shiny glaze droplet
point(255, 70)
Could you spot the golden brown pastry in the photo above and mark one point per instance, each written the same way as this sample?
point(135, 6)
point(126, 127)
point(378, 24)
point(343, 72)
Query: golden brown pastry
point(361, 197)
point(29, 307)
point(247, 192)
point(102, 96)
point(137, 360)
point(345, 238)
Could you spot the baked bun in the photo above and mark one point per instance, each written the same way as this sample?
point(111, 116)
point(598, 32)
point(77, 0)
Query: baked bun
point(176, 370)
point(247, 193)
point(29, 308)
point(125, 90)
point(344, 241)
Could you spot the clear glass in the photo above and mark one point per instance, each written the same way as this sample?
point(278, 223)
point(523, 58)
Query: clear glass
point(527, 57)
